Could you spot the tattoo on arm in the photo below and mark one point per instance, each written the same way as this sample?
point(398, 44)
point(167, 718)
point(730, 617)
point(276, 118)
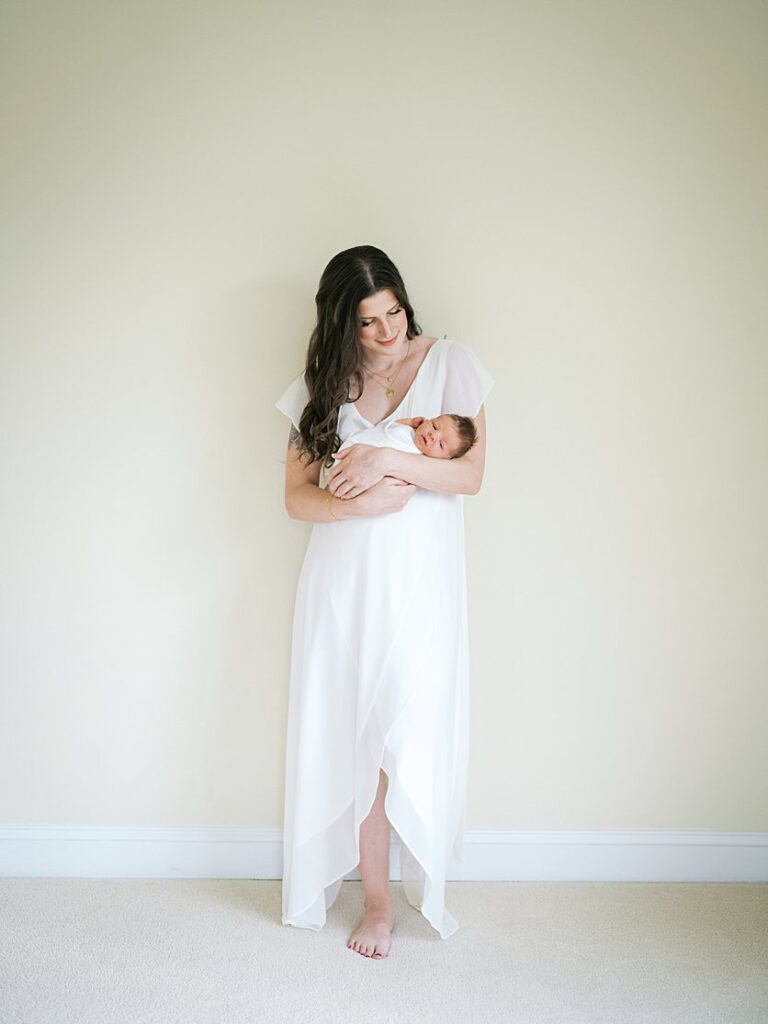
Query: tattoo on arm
point(293, 436)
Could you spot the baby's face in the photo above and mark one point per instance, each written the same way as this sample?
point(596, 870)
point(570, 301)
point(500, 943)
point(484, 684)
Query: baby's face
point(437, 437)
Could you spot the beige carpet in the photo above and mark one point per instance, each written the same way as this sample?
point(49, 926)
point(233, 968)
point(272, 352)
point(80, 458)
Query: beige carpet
point(166, 951)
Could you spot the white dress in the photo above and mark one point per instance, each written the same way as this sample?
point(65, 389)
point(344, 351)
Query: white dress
point(379, 673)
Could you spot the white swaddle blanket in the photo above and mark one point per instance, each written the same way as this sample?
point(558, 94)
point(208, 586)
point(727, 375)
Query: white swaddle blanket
point(384, 435)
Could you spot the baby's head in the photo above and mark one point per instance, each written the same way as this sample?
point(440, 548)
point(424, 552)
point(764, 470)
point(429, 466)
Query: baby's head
point(444, 437)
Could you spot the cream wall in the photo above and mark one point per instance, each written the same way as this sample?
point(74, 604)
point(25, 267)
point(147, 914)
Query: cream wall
point(575, 190)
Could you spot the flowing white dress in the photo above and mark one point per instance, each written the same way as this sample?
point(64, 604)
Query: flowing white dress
point(379, 673)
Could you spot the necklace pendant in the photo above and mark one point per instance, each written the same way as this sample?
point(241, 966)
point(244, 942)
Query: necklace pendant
point(390, 392)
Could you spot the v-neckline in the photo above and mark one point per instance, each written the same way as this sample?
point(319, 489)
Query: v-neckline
point(407, 393)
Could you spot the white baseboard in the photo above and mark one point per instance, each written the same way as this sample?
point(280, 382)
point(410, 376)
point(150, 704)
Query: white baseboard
point(641, 855)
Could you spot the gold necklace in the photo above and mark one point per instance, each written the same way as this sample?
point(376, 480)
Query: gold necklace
point(390, 380)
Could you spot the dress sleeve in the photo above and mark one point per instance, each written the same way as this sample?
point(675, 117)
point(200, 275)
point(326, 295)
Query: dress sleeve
point(294, 399)
point(467, 382)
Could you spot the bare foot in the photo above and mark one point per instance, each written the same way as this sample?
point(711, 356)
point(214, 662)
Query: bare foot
point(372, 936)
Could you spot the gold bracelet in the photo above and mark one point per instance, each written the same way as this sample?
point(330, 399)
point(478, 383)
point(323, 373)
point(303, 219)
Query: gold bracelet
point(329, 496)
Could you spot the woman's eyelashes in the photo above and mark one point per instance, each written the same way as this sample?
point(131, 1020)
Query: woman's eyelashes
point(393, 312)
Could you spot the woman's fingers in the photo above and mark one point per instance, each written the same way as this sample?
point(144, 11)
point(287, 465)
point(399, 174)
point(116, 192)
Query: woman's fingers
point(343, 488)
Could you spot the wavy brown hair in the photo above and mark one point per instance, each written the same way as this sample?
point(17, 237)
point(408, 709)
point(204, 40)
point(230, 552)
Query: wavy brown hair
point(334, 353)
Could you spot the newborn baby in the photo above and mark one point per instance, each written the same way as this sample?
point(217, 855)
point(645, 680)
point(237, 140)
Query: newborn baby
point(444, 437)
point(441, 437)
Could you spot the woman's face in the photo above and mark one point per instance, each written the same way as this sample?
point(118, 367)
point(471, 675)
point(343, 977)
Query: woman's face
point(380, 319)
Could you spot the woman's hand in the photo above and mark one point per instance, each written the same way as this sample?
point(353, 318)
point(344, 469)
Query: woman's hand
point(388, 495)
point(357, 469)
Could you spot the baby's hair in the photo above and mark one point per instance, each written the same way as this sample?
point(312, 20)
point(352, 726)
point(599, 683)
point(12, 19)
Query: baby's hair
point(467, 432)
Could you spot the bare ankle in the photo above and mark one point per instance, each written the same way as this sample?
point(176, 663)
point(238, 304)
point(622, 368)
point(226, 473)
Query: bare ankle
point(378, 905)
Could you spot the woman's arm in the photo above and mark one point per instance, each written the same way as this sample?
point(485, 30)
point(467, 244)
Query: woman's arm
point(304, 499)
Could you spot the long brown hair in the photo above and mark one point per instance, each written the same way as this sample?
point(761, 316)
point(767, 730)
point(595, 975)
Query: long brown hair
point(334, 354)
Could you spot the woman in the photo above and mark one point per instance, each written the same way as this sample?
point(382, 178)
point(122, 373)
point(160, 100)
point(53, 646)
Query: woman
point(379, 693)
